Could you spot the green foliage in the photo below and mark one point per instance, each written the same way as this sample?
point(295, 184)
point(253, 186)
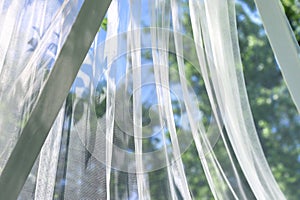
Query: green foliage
point(104, 24)
point(292, 11)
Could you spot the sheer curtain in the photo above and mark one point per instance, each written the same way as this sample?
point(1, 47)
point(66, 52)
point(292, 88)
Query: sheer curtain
point(31, 37)
point(32, 34)
point(150, 89)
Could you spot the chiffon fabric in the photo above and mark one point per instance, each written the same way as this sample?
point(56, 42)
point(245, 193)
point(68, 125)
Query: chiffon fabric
point(162, 80)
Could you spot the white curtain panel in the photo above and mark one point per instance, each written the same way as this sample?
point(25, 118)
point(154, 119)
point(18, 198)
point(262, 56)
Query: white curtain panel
point(136, 105)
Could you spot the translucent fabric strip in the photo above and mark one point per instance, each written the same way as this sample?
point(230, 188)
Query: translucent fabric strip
point(214, 173)
point(134, 40)
point(155, 20)
point(284, 44)
point(110, 53)
point(162, 77)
